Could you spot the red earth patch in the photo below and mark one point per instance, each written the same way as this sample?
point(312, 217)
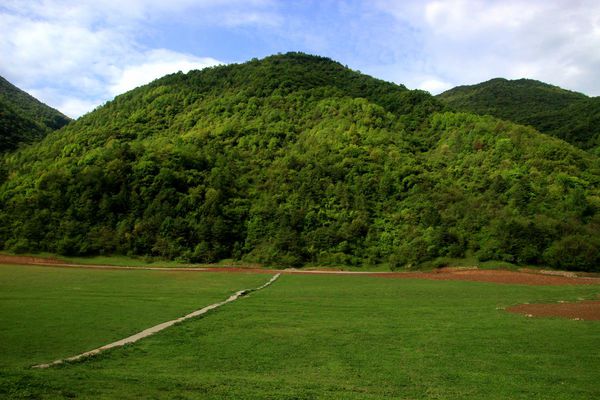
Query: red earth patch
point(583, 310)
point(494, 276)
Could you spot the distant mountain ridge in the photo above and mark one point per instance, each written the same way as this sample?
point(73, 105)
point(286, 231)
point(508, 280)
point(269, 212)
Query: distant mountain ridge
point(23, 118)
point(571, 116)
point(295, 159)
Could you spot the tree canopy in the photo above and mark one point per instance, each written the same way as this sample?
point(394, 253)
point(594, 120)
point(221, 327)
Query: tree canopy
point(24, 119)
point(295, 159)
point(571, 116)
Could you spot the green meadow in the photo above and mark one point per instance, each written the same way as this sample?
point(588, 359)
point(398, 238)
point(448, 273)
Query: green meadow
point(49, 313)
point(304, 337)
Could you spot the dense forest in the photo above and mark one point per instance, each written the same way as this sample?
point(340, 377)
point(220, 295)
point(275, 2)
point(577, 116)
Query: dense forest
point(24, 119)
point(571, 116)
point(294, 160)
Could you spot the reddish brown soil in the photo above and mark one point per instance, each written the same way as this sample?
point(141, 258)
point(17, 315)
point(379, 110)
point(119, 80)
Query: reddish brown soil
point(454, 274)
point(495, 276)
point(54, 262)
point(6, 259)
point(584, 310)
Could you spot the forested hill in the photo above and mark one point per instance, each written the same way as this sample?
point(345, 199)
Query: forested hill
point(571, 116)
point(295, 159)
point(23, 118)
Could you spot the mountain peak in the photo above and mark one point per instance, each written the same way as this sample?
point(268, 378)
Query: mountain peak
point(552, 110)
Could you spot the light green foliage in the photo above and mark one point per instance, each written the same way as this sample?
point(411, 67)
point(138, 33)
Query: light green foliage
point(296, 160)
point(345, 337)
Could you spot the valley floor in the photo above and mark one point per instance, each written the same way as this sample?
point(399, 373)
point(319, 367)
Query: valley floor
point(330, 336)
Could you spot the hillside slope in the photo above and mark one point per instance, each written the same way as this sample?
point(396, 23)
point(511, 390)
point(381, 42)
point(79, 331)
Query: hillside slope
point(295, 159)
point(23, 118)
point(567, 115)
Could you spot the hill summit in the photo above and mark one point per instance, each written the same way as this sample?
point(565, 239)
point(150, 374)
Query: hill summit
point(295, 159)
point(23, 118)
point(571, 116)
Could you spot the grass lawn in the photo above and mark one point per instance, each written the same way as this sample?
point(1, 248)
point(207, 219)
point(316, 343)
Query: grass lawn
point(49, 313)
point(342, 337)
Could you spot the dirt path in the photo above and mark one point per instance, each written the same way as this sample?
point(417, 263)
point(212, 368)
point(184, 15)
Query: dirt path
point(151, 331)
point(523, 277)
point(583, 310)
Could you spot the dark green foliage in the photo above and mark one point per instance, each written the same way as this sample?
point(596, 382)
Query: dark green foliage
point(568, 115)
point(23, 119)
point(15, 129)
point(574, 252)
point(295, 159)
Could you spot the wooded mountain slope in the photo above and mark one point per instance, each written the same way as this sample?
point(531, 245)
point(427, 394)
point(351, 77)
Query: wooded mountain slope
point(23, 118)
point(571, 116)
point(296, 159)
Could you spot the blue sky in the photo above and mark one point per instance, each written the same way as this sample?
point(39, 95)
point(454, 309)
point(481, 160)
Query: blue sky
point(77, 54)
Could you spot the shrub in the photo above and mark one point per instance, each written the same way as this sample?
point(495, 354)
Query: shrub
point(574, 252)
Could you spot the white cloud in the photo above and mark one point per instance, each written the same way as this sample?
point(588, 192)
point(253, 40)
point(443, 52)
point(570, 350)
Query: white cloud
point(76, 107)
point(462, 18)
point(153, 65)
point(241, 18)
point(469, 41)
point(434, 86)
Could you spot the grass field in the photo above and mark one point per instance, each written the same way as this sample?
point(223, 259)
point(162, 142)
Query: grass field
point(304, 337)
point(48, 313)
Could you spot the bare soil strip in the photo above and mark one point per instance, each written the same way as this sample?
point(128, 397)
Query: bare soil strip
point(151, 331)
point(53, 262)
point(583, 310)
point(497, 276)
point(522, 277)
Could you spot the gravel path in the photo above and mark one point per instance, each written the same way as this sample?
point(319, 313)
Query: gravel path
point(157, 328)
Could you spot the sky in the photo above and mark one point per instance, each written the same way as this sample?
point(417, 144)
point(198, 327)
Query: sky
point(77, 54)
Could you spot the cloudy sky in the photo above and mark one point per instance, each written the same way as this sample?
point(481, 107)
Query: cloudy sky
point(77, 54)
